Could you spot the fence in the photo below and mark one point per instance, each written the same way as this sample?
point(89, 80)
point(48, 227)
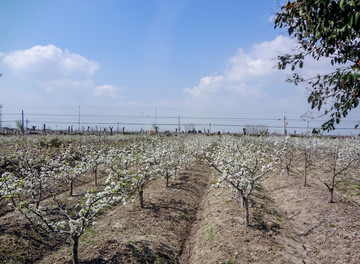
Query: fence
point(12, 123)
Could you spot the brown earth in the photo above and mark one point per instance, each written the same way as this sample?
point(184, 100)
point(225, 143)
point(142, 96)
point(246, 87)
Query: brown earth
point(329, 232)
point(193, 222)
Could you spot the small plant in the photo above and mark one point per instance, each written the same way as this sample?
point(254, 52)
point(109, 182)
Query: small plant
point(211, 235)
point(242, 165)
point(74, 223)
point(258, 218)
point(55, 142)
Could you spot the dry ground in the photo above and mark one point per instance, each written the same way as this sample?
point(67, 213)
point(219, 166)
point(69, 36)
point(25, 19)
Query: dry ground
point(329, 232)
point(193, 222)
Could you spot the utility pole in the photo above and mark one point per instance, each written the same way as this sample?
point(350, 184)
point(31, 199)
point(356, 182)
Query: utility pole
point(0, 116)
point(155, 115)
point(209, 128)
point(179, 125)
point(285, 130)
point(156, 128)
point(79, 118)
point(307, 118)
point(307, 127)
point(22, 121)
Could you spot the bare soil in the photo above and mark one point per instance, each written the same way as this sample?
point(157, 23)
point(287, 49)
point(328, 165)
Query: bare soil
point(329, 232)
point(154, 234)
point(193, 222)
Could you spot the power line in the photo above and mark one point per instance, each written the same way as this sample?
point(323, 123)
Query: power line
point(1, 115)
point(174, 117)
point(165, 124)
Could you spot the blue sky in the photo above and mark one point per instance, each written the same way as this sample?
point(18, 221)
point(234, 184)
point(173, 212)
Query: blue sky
point(188, 58)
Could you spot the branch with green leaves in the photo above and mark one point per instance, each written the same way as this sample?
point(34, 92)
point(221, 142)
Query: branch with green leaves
point(325, 29)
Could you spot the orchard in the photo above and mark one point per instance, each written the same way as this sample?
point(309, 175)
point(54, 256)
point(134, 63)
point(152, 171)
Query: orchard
point(69, 188)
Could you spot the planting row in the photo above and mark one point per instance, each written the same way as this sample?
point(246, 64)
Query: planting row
point(38, 175)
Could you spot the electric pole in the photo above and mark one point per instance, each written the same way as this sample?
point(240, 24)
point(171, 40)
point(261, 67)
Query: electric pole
point(156, 128)
point(307, 118)
point(155, 115)
point(0, 115)
point(22, 121)
point(285, 130)
point(79, 118)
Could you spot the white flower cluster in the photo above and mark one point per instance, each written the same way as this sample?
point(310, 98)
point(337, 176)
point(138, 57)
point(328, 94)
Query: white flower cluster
point(242, 164)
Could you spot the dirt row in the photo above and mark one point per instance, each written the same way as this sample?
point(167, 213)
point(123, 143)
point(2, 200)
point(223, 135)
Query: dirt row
point(289, 224)
point(192, 222)
point(154, 234)
point(329, 232)
point(219, 234)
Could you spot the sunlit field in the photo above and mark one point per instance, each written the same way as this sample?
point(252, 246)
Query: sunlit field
point(174, 199)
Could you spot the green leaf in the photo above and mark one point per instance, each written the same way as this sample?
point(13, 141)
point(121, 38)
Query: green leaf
point(356, 20)
point(351, 22)
point(356, 73)
point(342, 4)
point(325, 29)
point(302, 12)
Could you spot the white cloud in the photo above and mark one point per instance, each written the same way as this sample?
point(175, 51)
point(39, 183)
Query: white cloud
point(244, 90)
point(50, 62)
point(252, 83)
point(248, 73)
point(208, 84)
point(66, 85)
point(58, 71)
point(260, 60)
point(106, 90)
point(65, 77)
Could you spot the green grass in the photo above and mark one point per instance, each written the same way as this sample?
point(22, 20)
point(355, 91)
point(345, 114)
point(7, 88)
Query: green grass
point(258, 218)
point(210, 235)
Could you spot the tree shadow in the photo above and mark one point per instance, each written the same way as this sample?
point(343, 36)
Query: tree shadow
point(135, 252)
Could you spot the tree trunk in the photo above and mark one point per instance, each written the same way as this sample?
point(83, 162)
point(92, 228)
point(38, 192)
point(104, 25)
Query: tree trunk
point(288, 170)
point(37, 203)
point(95, 177)
point(75, 247)
point(71, 188)
point(246, 207)
point(141, 196)
point(39, 196)
point(332, 188)
point(331, 195)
